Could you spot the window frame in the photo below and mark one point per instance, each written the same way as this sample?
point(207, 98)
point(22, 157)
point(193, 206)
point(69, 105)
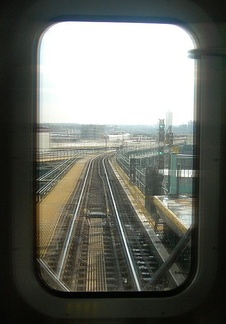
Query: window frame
point(30, 28)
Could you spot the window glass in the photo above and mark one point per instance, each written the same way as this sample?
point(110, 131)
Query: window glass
point(115, 157)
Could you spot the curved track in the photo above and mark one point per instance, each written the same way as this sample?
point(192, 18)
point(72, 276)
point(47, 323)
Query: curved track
point(100, 243)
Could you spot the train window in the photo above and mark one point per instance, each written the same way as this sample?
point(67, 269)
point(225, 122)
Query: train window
point(115, 134)
point(116, 157)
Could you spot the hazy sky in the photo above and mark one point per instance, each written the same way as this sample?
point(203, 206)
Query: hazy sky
point(115, 73)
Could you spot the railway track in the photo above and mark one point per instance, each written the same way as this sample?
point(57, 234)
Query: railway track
point(99, 243)
point(46, 182)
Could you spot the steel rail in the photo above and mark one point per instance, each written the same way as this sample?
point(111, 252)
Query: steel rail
point(44, 188)
point(54, 170)
point(66, 244)
point(128, 254)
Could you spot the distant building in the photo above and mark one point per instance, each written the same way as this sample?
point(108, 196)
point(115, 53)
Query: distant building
point(169, 120)
point(118, 137)
point(92, 131)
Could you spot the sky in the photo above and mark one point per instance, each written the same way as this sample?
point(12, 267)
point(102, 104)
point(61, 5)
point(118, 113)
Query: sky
point(115, 73)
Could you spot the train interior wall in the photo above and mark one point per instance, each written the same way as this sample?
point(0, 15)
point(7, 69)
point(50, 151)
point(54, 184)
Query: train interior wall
point(13, 309)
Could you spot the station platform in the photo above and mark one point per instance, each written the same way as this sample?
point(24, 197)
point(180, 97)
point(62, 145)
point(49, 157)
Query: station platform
point(177, 213)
